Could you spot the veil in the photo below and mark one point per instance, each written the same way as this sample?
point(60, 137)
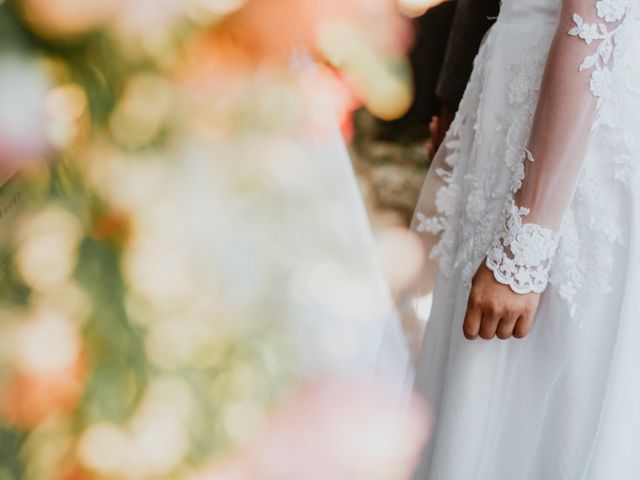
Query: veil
point(402, 340)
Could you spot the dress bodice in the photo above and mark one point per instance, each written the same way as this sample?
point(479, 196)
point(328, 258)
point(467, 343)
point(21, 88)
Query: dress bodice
point(529, 11)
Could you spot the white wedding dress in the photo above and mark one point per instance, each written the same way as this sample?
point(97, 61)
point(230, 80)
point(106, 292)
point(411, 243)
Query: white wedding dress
point(538, 178)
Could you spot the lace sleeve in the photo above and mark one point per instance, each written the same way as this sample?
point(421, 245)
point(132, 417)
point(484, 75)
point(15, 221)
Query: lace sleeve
point(574, 82)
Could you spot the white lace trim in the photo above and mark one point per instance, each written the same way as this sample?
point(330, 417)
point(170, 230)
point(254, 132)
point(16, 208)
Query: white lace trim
point(521, 254)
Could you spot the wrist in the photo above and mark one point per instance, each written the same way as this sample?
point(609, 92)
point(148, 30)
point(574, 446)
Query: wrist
point(521, 254)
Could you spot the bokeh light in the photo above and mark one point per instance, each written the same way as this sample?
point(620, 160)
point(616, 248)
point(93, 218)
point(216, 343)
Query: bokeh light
point(188, 281)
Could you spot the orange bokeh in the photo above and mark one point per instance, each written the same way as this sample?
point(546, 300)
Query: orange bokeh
point(27, 398)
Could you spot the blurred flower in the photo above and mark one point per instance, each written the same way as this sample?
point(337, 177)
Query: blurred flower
point(178, 342)
point(104, 447)
point(67, 299)
point(74, 472)
point(49, 447)
point(112, 226)
point(46, 247)
point(153, 443)
point(66, 104)
point(158, 269)
point(23, 89)
point(206, 10)
point(242, 419)
point(141, 113)
point(150, 17)
point(158, 429)
point(381, 83)
point(60, 18)
point(66, 17)
point(278, 33)
point(46, 344)
point(337, 429)
point(49, 370)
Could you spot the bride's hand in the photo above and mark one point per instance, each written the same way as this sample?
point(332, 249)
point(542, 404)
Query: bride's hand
point(494, 309)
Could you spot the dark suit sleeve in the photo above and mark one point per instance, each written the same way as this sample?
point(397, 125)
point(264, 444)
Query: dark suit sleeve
point(427, 56)
point(471, 21)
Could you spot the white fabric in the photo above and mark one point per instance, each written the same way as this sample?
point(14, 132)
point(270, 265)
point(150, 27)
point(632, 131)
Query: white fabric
point(563, 403)
point(343, 318)
point(588, 34)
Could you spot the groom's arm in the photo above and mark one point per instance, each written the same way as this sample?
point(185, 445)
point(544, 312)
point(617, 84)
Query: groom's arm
point(472, 20)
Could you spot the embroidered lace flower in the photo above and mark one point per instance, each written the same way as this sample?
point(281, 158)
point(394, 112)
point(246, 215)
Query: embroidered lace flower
point(521, 254)
point(611, 11)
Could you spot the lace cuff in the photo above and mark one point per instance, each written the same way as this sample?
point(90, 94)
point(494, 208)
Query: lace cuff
point(521, 254)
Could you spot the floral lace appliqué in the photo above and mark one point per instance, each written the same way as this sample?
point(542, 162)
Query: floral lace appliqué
point(521, 254)
point(468, 212)
point(610, 11)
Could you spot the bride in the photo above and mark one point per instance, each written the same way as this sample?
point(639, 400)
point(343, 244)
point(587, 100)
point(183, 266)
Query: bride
point(531, 356)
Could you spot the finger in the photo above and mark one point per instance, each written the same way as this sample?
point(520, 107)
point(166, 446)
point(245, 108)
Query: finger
point(489, 325)
point(433, 126)
point(431, 148)
point(472, 320)
point(506, 326)
point(523, 326)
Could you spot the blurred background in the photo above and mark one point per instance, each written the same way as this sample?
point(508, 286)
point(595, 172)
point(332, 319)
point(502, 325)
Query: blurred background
point(204, 210)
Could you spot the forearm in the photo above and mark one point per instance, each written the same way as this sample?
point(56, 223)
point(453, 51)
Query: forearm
point(574, 81)
point(560, 130)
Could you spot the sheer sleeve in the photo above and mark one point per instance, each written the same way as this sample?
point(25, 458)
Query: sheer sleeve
point(576, 74)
